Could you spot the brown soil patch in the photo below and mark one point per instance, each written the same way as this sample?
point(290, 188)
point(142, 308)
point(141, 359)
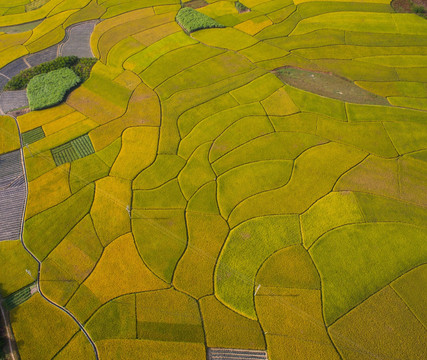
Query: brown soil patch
point(241, 8)
point(328, 85)
point(406, 6)
point(196, 4)
point(19, 112)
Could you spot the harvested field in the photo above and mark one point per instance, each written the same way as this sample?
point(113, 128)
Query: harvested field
point(328, 85)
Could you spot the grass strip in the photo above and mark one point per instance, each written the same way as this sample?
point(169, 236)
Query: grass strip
point(18, 297)
point(33, 135)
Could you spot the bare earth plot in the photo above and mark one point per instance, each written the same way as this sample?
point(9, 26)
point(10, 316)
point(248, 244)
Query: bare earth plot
point(12, 195)
point(233, 181)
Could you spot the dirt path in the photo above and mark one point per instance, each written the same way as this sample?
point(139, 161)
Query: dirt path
point(13, 179)
point(22, 180)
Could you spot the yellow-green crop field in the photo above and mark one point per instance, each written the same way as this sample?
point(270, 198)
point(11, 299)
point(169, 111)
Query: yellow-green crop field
point(196, 193)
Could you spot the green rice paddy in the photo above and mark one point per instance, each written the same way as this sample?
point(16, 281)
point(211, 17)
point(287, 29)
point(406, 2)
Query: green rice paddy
point(237, 175)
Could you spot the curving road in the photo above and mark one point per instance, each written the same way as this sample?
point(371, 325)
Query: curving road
point(13, 177)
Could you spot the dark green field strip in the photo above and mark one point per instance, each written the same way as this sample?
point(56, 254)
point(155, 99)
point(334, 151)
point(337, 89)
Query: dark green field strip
point(13, 29)
point(33, 135)
point(310, 9)
point(170, 332)
point(236, 354)
point(64, 153)
point(83, 146)
point(73, 150)
point(18, 297)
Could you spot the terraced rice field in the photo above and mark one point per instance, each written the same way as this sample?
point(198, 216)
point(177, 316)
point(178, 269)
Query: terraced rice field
point(256, 189)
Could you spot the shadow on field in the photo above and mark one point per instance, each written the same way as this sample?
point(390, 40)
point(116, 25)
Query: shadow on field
point(5, 350)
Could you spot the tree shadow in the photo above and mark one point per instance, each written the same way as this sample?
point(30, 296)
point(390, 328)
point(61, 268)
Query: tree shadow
point(7, 318)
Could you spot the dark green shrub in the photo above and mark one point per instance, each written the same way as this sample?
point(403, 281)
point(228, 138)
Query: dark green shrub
point(49, 89)
point(81, 67)
point(418, 9)
point(192, 20)
point(21, 80)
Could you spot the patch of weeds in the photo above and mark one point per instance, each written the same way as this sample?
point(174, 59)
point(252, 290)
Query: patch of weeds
point(192, 20)
point(13, 29)
point(49, 89)
point(196, 4)
point(241, 8)
point(417, 7)
point(81, 67)
point(35, 4)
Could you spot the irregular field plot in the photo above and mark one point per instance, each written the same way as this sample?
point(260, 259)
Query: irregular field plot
point(182, 324)
point(328, 85)
point(78, 348)
point(235, 274)
point(71, 261)
point(157, 350)
point(225, 328)
point(138, 276)
point(9, 137)
point(106, 206)
point(256, 181)
point(362, 324)
point(370, 268)
point(161, 238)
point(12, 269)
point(43, 232)
point(194, 272)
point(54, 182)
point(114, 320)
point(34, 321)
